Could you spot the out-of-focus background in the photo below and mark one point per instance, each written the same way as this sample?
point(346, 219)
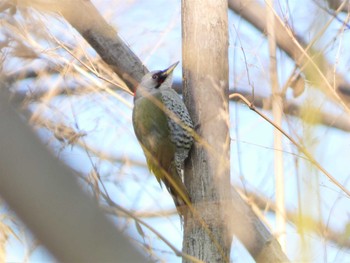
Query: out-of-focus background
point(59, 86)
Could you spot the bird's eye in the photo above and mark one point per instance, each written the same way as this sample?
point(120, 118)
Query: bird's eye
point(154, 76)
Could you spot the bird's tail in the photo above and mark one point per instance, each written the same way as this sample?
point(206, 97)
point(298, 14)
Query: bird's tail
point(172, 179)
point(177, 189)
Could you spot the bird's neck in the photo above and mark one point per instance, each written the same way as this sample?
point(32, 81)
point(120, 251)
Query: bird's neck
point(144, 93)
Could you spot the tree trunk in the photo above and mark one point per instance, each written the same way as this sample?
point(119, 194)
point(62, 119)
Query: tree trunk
point(205, 71)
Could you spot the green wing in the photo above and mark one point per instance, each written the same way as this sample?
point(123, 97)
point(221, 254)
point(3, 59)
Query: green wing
point(152, 130)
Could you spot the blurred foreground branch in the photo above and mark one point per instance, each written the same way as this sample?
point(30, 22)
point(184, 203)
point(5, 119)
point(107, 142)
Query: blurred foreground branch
point(85, 18)
point(46, 196)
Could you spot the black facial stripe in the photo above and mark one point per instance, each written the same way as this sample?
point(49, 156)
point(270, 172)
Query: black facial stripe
point(160, 79)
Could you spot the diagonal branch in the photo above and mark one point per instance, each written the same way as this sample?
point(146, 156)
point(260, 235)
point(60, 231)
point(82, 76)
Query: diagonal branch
point(124, 62)
point(289, 108)
point(86, 19)
point(300, 148)
point(254, 13)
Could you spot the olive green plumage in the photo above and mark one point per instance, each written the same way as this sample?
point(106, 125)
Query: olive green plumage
point(162, 126)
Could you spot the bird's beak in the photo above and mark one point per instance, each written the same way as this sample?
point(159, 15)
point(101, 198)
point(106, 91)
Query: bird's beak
point(169, 70)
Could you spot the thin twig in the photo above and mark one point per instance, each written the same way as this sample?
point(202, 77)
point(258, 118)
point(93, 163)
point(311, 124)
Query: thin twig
point(115, 209)
point(299, 147)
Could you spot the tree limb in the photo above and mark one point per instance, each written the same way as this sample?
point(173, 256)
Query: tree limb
point(98, 33)
point(46, 196)
point(254, 13)
point(289, 108)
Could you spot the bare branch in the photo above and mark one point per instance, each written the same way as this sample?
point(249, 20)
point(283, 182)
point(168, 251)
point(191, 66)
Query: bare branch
point(319, 228)
point(300, 148)
point(254, 13)
point(100, 35)
point(335, 4)
point(267, 205)
point(289, 108)
point(63, 216)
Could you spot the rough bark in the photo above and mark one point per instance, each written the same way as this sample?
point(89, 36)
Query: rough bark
point(252, 233)
point(205, 73)
point(207, 173)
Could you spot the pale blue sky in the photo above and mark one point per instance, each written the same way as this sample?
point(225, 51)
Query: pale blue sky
point(152, 29)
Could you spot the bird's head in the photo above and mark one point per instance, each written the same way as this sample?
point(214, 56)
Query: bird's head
point(155, 81)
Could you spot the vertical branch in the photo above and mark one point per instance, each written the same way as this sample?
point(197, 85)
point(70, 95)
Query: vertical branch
point(277, 110)
point(205, 72)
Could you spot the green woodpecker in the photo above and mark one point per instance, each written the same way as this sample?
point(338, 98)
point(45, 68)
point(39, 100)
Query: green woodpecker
point(163, 127)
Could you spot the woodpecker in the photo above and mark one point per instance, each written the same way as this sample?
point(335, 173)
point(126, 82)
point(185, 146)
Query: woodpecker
point(163, 128)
